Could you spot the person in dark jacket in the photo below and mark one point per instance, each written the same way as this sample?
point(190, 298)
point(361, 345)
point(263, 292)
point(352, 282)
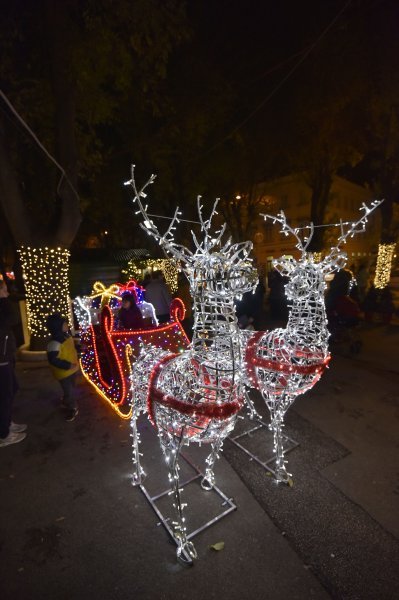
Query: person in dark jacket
point(129, 316)
point(157, 293)
point(277, 298)
point(340, 307)
point(63, 359)
point(10, 432)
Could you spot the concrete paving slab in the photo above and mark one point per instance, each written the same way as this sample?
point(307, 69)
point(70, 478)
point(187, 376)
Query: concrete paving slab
point(75, 527)
point(359, 407)
point(338, 540)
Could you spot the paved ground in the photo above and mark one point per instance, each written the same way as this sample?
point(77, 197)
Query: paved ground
point(72, 525)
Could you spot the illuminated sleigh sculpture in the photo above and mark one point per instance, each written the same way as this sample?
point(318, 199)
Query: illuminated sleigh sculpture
point(195, 396)
point(284, 363)
point(108, 353)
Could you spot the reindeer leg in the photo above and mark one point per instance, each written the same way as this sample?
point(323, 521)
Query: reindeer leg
point(252, 412)
point(185, 549)
point(277, 410)
point(208, 481)
point(138, 473)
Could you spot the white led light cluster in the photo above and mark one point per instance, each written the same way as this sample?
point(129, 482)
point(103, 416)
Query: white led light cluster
point(195, 396)
point(285, 363)
point(384, 265)
point(45, 273)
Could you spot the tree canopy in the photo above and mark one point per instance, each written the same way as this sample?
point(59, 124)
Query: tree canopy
point(71, 69)
point(213, 98)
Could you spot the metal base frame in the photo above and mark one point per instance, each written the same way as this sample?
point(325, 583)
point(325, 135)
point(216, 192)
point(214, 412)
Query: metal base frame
point(248, 432)
point(165, 521)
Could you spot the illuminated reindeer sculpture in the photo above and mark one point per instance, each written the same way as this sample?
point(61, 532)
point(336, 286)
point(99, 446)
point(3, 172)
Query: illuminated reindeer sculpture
point(195, 396)
point(284, 363)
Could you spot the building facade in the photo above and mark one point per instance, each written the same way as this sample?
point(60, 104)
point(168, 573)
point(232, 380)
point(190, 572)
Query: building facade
point(292, 195)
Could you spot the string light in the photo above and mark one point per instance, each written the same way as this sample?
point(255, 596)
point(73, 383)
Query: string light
point(45, 274)
point(108, 353)
point(195, 396)
point(169, 268)
point(284, 363)
point(384, 265)
point(317, 257)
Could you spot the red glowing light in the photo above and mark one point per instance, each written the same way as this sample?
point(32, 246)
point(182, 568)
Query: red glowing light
point(107, 353)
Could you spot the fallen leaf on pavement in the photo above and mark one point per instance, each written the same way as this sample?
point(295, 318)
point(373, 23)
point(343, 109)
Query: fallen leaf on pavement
point(218, 546)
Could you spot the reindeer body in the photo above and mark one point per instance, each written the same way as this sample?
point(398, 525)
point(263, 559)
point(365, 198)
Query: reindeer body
point(199, 392)
point(285, 363)
point(195, 396)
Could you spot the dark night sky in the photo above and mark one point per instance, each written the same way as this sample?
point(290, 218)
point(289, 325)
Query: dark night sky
point(246, 38)
point(251, 40)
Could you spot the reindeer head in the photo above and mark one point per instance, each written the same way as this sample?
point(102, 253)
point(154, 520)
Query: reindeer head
point(221, 271)
point(216, 268)
point(305, 274)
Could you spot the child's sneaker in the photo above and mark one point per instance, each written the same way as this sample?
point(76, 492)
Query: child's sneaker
point(70, 414)
point(17, 427)
point(12, 438)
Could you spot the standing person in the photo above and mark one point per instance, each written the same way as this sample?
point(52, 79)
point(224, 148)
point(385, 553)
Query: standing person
point(386, 305)
point(257, 303)
point(148, 313)
point(63, 359)
point(277, 298)
point(370, 303)
point(146, 280)
point(10, 433)
point(340, 307)
point(362, 279)
point(158, 295)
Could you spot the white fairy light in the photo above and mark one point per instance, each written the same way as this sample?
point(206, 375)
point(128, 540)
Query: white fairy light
point(45, 272)
point(285, 363)
point(195, 396)
point(82, 308)
point(109, 371)
point(384, 265)
point(169, 268)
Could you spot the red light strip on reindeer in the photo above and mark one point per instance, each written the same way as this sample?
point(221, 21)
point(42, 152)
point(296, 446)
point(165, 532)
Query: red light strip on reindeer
point(253, 361)
point(211, 410)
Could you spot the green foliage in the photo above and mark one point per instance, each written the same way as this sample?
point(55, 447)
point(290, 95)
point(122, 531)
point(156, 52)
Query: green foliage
point(116, 56)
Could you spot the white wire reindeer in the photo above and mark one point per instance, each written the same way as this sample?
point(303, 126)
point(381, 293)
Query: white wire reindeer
point(195, 396)
point(285, 363)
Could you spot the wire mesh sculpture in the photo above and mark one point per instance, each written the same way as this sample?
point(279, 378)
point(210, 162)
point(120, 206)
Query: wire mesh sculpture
point(284, 363)
point(195, 396)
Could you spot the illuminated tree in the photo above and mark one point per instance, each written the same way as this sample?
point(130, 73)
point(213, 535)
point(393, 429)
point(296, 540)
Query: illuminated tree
point(67, 68)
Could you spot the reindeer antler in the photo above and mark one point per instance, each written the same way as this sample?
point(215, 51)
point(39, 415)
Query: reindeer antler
point(355, 227)
point(209, 241)
point(166, 240)
point(360, 225)
point(336, 258)
point(286, 229)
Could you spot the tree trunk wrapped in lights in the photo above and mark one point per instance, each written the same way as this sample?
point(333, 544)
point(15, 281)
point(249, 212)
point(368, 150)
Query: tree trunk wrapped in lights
point(384, 265)
point(60, 109)
point(45, 273)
